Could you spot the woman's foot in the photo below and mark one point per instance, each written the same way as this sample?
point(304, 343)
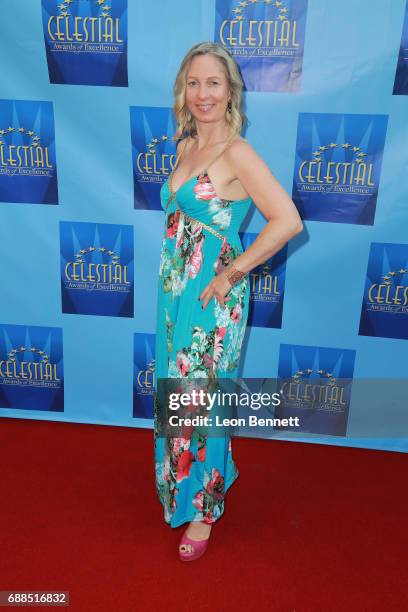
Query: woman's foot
point(197, 530)
point(194, 541)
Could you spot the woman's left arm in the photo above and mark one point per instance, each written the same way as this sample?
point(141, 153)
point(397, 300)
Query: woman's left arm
point(271, 199)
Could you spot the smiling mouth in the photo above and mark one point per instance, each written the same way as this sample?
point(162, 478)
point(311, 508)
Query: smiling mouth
point(205, 107)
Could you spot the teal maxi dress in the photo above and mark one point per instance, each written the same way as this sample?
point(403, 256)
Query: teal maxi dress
point(193, 473)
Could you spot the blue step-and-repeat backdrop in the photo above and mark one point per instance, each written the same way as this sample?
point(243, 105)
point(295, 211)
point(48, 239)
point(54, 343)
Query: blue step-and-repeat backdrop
point(85, 144)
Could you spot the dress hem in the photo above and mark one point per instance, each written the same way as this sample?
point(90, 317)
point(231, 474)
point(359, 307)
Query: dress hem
point(192, 519)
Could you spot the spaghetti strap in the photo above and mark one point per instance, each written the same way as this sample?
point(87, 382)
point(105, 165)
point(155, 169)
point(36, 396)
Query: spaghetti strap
point(218, 156)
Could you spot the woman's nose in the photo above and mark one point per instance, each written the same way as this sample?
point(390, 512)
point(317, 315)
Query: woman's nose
point(202, 92)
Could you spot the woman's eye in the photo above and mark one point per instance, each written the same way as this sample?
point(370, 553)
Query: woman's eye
point(214, 82)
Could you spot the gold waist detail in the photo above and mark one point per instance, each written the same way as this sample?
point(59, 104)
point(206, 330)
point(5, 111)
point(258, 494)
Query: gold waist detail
point(207, 227)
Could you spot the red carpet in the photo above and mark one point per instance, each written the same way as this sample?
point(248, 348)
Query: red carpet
point(306, 527)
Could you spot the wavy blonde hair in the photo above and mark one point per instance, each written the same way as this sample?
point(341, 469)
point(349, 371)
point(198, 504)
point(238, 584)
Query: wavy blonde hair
point(235, 117)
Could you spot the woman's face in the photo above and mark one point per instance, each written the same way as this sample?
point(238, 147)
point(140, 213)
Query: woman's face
point(207, 91)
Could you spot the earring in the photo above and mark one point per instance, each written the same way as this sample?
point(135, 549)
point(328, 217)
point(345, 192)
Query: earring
point(229, 106)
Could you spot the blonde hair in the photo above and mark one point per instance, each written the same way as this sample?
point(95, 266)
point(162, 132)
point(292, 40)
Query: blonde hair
point(234, 117)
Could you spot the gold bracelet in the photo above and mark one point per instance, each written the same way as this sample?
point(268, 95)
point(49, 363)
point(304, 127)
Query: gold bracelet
point(234, 276)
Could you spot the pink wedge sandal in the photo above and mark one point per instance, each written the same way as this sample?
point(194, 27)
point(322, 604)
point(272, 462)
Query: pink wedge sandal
point(189, 549)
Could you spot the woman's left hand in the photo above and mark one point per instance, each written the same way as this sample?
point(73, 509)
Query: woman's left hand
point(217, 289)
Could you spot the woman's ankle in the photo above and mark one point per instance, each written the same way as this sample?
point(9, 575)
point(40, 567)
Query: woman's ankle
point(200, 529)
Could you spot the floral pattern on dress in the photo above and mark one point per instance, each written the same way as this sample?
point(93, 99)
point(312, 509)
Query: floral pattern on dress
point(176, 466)
point(169, 331)
point(220, 209)
point(202, 447)
point(230, 317)
point(172, 224)
point(207, 352)
point(227, 254)
point(209, 500)
point(172, 470)
point(193, 471)
point(185, 263)
point(201, 357)
point(204, 189)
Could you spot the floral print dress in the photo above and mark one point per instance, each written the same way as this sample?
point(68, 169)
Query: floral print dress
point(194, 472)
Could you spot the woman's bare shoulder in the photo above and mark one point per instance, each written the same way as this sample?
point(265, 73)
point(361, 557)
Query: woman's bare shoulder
point(240, 151)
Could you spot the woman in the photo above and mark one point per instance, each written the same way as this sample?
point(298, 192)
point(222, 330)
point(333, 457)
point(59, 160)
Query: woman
point(203, 286)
